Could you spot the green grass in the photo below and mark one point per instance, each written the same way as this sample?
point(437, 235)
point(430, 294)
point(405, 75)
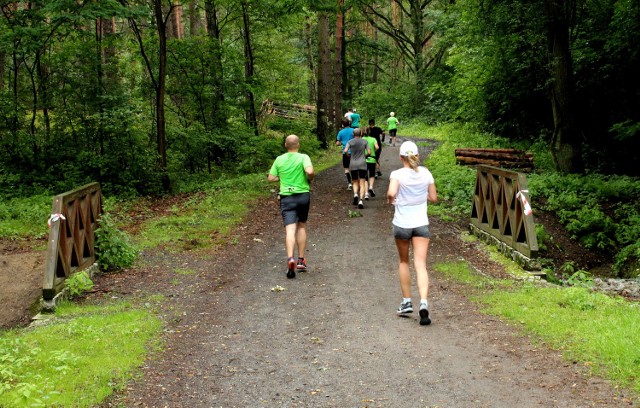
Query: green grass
point(78, 359)
point(25, 217)
point(599, 331)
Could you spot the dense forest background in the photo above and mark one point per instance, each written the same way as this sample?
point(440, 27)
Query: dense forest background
point(143, 95)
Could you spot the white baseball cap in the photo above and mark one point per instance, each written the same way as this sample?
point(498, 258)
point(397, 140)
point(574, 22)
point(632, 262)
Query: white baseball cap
point(407, 148)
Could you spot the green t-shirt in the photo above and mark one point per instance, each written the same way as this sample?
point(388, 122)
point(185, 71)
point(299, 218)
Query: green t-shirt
point(392, 122)
point(290, 168)
point(372, 146)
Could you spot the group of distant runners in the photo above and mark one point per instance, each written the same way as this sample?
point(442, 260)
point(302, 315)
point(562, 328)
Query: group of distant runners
point(361, 150)
point(410, 188)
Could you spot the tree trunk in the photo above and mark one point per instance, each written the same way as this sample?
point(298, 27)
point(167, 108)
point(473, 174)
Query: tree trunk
point(195, 20)
point(337, 67)
point(160, 93)
point(3, 58)
point(311, 84)
point(250, 111)
point(213, 32)
point(565, 144)
point(324, 68)
point(175, 28)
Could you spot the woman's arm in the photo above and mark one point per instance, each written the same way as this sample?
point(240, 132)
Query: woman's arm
point(432, 196)
point(392, 191)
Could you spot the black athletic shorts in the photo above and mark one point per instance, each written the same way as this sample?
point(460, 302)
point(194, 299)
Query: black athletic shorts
point(358, 174)
point(392, 132)
point(371, 169)
point(295, 208)
point(346, 160)
point(408, 233)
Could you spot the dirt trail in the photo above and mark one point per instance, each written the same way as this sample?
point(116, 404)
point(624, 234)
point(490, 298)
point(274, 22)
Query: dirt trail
point(332, 338)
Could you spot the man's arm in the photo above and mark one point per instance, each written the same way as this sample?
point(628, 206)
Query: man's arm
point(310, 173)
point(271, 177)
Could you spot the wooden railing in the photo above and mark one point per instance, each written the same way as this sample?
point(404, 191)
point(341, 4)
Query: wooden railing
point(71, 236)
point(501, 209)
point(287, 110)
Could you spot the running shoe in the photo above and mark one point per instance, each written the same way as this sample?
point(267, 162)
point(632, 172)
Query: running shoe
point(424, 315)
point(360, 204)
point(372, 193)
point(366, 196)
point(355, 200)
point(405, 307)
point(291, 268)
point(350, 187)
point(379, 173)
point(301, 266)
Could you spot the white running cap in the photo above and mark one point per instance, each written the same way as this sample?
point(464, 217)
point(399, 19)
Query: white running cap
point(408, 148)
point(392, 114)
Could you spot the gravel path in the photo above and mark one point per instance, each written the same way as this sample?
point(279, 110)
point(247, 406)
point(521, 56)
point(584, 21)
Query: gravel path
point(332, 339)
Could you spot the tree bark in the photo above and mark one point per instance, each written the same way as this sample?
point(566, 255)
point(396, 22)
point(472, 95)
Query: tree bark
point(337, 66)
point(565, 143)
point(195, 20)
point(311, 84)
point(250, 110)
point(160, 92)
point(213, 32)
point(324, 68)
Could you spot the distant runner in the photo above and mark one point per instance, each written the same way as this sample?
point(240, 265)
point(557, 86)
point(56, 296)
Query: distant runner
point(392, 126)
point(376, 133)
point(355, 119)
point(374, 147)
point(344, 135)
point(358, 148)
point(294, 171)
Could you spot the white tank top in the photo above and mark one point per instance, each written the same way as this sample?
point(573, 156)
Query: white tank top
point(411, 200)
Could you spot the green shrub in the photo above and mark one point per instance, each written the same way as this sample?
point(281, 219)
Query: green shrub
point(114, 248)
point(78, 283)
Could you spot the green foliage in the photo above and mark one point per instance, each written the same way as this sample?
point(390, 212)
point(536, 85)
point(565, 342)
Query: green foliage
point(78, 283)
point(25, 217)
point(354, 214)
point(114, 249)
point(71, 361)
point(601, 212)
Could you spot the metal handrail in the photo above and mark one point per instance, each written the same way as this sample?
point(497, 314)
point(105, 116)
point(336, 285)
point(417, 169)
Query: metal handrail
point(71, 236)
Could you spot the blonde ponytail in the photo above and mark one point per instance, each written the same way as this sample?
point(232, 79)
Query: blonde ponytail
point(414, 161)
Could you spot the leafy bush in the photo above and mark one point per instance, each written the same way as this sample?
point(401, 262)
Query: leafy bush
point(114, 249)
point(78, 283)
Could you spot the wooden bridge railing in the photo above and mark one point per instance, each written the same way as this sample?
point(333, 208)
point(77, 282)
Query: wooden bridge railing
point(71, 236)
point(287, 110)
point(501, 209)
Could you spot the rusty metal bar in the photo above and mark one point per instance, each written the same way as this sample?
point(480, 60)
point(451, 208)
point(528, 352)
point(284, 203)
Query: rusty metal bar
point(499, 211)
point(71, 237)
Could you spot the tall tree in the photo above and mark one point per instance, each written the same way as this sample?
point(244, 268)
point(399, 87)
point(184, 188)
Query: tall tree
point(249, 70)
point(337, 66)
point(158, 79)
point(213, 32)
point(565, 142)
point(324, 81)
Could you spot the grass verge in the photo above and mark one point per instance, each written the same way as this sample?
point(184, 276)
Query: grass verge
point(597, 330)
point(78, 359)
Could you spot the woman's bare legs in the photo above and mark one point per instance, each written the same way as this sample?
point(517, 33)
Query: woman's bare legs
point(420, 252)
point(403, 268)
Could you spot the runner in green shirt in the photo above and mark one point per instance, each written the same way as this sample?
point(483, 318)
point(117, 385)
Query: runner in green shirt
point(371, 165)
point(392, 126)
point(294, 171)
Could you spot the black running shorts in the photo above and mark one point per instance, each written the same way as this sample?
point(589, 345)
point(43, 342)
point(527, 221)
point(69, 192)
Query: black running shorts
point(358, 174)
point(295, 208)
point(392, 132)
point(346, 160)
point(371, 170)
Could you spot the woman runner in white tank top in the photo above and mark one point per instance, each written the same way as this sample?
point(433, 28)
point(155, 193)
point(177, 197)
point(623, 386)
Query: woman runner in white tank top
point(410, 187)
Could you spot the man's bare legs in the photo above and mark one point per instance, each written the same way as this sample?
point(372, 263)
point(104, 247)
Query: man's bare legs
point(295, 234)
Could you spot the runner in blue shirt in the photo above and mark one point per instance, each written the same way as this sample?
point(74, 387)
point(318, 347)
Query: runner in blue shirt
point(344, 135)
